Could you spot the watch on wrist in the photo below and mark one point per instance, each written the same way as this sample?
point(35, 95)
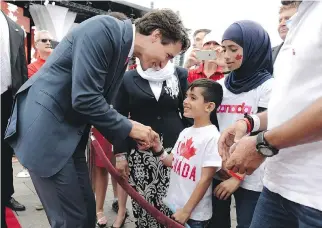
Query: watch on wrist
point(263, 147)
point(158, 154)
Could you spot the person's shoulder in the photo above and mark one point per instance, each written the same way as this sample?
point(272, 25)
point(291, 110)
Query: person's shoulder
point(15, 26)
point(209, 132)
point(129, 76)
point(98, 23)
point(213, 132)
point(181, 72)
point(184, 131)
point(222, 82)
point(266, 86)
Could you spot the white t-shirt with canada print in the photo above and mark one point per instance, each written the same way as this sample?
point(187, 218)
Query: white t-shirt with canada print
point(233, 107)
point(195, 148)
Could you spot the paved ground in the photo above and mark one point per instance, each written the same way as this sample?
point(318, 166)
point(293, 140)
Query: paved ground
point(31, 218)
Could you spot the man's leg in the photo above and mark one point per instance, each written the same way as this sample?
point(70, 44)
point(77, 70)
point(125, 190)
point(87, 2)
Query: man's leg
point(270, 212)
point(87, 191)
point(6, 180)
point(62, 198)
point(246, 201)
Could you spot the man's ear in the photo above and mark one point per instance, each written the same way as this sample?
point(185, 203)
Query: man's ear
point(156, 35)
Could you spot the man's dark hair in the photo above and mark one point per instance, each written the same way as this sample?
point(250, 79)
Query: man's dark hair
point(285, 3)
point(212, 92)
point(206, 31)
point(169, 24)
point(118, 15)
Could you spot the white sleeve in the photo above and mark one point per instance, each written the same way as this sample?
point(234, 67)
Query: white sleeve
point(265, 91)
point(211, 156)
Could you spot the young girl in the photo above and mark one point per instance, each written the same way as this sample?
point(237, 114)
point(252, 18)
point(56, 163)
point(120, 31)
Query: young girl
point(246, 89)
point(194, 158)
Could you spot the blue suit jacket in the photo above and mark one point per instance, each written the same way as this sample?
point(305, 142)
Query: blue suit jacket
point(71, 91)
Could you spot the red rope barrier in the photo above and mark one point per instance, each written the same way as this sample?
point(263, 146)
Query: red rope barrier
point(159, 216)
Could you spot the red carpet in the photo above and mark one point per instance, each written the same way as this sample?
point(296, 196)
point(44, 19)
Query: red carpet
point(12, 221)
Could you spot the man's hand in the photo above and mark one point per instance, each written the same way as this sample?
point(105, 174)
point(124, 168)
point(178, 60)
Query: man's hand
point(192, 59)
point(181, 216)
point(230, 136)
point(226, 188)
point(123, 168)
point(144, 135)
point(244, 157)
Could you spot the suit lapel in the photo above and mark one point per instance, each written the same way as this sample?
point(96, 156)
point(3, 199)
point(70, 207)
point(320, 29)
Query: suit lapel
point(143, 84)
point(15, 40)
point(276, 51)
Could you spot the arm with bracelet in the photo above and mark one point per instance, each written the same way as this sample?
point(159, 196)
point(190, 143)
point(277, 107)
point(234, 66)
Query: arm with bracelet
point(158, 151)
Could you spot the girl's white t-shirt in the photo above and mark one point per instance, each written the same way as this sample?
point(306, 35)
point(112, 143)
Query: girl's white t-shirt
point(233, 107)
point(195, 148)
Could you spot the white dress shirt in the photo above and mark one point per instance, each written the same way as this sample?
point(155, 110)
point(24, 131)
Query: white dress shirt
point(5, 54)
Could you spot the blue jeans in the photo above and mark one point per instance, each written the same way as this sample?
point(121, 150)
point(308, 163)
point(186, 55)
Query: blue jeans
point(197, 224)
point(246, 201)
point(274, 211)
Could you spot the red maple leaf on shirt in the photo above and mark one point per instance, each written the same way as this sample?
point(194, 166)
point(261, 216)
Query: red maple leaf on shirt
point(187, 150)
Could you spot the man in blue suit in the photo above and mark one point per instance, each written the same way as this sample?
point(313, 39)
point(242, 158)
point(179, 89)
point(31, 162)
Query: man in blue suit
point(53, 111)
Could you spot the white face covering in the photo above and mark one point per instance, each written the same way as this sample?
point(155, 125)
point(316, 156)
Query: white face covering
point(157, 75)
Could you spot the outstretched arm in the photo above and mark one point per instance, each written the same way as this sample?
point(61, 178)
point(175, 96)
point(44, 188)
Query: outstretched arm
point(305, 127)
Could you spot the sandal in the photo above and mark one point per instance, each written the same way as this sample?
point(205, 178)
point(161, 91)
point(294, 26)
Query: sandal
point(101, 222)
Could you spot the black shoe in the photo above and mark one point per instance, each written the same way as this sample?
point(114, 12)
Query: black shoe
point(125, 217)
point(15, 205)
point(115, 206)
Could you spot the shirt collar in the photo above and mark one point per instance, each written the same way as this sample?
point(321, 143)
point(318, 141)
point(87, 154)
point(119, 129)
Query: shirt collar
point(133, 39)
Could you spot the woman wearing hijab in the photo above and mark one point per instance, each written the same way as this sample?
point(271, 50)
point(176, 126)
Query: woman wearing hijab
point(247, 89)
point(153, 98)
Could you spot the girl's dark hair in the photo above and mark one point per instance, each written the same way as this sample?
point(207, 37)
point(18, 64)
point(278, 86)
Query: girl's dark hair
point(212, 92)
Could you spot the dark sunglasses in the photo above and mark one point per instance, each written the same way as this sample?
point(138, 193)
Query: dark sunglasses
point(45, 40)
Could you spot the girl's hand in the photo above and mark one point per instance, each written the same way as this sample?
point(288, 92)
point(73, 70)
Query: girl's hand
point(224, 190)
point(181, 216)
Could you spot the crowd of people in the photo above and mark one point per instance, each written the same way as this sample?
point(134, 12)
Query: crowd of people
point(244, 124)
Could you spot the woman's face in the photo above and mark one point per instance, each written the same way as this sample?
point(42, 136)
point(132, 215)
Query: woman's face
point(233, 54)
